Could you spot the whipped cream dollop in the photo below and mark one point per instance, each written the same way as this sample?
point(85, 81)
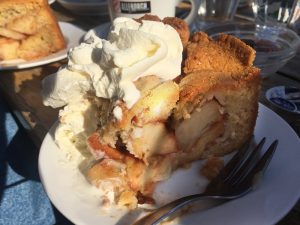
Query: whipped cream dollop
point(64, 87)
point(109, 67)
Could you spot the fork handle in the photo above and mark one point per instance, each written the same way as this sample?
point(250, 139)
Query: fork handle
point(165, 211)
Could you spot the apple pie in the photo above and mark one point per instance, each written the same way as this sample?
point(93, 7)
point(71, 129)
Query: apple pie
point(209, 110)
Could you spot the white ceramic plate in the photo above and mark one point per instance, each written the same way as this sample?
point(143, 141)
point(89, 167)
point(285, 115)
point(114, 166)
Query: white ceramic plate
point(87, 7)
point(51, 1)
point(276, 195)
point(72, 35)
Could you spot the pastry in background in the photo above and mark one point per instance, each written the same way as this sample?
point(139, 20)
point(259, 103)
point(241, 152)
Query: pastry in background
point(28, 30)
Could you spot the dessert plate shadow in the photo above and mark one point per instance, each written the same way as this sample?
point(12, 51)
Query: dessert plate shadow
point(279, 191)
point(72, 35)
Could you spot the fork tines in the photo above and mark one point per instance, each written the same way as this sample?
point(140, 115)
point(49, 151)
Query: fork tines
point(260, 167)
point(246, 165)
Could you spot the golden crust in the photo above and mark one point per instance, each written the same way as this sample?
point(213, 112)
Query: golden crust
point(238, 48)
point(227, 54)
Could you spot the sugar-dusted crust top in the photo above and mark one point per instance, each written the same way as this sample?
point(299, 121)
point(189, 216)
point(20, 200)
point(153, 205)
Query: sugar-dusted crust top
point(226, 54)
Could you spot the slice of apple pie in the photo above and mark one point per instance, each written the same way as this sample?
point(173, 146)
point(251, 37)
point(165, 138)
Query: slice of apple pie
point(210, 110)
point(153, 111)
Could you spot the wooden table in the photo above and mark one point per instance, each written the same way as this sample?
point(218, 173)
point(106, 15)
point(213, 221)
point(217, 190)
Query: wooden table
point(22, 91)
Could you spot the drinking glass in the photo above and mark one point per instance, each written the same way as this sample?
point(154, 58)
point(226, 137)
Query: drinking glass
point(212, 12)
point(276, 12)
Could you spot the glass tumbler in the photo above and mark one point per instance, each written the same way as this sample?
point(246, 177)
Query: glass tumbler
point(213, 12)
point(277, 12)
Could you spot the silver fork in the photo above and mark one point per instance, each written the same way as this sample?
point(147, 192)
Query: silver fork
point(240, 175)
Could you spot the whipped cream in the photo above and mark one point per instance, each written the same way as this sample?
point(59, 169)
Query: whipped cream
point(64, 87)
point(109, 67)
